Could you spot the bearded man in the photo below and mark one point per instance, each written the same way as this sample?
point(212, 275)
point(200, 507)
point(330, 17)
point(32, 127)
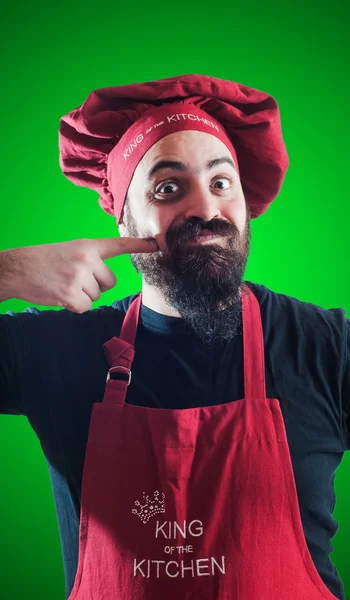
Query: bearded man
point(193, 429)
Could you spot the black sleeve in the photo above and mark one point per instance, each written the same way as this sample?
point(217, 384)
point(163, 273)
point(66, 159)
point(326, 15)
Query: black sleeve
point(10, 393)
point(22, 339)
point(346, 384)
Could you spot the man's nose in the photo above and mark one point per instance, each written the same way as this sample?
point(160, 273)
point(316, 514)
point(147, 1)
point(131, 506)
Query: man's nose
point(203, 205)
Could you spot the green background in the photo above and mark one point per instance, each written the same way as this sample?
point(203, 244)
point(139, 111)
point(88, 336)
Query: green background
point(53, 57)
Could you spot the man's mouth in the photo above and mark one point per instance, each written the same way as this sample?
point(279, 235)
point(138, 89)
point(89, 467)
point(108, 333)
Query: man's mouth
point(204, 237)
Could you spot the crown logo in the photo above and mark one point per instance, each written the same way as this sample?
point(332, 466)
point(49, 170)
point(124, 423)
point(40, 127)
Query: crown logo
point(150, 507)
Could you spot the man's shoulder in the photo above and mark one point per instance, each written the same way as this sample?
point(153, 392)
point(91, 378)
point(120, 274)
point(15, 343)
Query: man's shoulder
point(280, 307)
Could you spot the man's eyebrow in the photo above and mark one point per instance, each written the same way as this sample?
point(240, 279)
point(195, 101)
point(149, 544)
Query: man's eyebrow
point(180, 166)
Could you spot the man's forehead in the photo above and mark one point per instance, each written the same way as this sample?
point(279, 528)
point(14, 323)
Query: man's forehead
point(177, 165)
point(192, 151)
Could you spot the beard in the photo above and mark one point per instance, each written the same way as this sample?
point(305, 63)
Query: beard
point(202, 282)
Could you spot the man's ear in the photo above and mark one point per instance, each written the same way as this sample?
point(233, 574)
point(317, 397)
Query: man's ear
point(122, 230)
point(121, 225)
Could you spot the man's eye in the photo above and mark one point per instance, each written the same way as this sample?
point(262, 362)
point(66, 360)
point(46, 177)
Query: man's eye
point(169, 187)
point(226, 179)
point(165, 188)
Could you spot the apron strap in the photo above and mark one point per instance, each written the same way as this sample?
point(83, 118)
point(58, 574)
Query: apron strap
point(120, 351)
point(253, 346)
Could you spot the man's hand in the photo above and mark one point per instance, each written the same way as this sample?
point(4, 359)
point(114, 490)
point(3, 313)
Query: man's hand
point(70, 274)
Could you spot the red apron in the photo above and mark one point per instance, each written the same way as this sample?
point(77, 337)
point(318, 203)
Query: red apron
point(191, 504)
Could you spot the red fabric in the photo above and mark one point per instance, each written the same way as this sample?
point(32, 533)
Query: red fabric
point(193, 504)
point(250, 118)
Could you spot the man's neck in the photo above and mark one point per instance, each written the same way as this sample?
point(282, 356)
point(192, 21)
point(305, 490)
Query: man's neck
point(155, 301)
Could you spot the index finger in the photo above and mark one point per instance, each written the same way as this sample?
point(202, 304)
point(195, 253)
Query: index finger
point(110, 247)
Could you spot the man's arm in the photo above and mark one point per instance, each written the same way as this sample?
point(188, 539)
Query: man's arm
point(346, 385)
point(8, 274)
point(69, 274)
point(10, 394)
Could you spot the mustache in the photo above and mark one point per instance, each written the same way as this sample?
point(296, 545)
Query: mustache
point(181, 234)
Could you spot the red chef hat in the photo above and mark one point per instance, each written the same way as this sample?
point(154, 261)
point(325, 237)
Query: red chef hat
point(102, 141)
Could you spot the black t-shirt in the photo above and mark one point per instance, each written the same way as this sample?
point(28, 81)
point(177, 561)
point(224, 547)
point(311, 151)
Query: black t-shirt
point(53, 368)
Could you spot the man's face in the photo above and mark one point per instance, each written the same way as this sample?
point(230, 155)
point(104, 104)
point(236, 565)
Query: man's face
point(173, 204)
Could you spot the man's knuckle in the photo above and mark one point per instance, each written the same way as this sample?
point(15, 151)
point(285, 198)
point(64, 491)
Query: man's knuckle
point(69, 294)
point(74, 273)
